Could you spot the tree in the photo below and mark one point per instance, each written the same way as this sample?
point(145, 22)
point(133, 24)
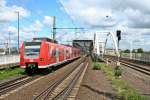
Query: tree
point(140, 50)
point(127, 51)
point(133, 51)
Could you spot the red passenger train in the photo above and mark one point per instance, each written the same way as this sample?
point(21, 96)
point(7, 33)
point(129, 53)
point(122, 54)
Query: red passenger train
point(43, 53)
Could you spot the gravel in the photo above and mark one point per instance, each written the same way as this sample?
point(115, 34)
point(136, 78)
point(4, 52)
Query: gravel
point(33, 89)
point(95, 86)
point(139, 81)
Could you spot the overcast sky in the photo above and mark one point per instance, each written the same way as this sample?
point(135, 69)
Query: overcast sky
point(132, 17)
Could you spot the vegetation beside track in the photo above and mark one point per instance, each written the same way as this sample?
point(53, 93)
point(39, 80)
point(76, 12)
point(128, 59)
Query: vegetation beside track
point(9, 73)
point(97, 66)
point(124, 90)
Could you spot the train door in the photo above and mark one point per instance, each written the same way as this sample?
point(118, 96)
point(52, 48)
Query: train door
point(57, 55)
point(61, 56)
point(67, 54)
point(53, 54)
point(71, 53)
point(64, 54)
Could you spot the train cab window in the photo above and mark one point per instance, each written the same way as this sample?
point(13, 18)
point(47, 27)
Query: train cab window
point(32, 49)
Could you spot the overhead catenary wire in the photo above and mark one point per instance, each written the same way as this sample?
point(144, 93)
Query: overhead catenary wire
point(65, 11)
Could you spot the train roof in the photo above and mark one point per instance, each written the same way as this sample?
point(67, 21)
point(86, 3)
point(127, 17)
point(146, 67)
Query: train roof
point(44, 39)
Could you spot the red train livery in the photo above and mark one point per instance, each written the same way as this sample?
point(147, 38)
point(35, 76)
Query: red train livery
point(42, 53)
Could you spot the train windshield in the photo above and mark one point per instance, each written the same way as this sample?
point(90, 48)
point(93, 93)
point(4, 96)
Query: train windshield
point(32, 49)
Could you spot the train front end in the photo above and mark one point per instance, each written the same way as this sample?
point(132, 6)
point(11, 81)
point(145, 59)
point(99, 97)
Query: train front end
point(30, 56)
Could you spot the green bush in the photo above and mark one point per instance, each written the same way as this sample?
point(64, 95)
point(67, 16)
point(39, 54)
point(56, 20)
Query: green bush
point(118, 71)
point(8, 73)
point(97, 66)
point(130, 94)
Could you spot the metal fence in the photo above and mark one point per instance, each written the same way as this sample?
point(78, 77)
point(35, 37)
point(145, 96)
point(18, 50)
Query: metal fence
point(137, 56)
point(8, 59)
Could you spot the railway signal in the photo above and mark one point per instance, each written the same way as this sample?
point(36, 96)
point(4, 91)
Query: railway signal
point(119, 35)
point(119, 38)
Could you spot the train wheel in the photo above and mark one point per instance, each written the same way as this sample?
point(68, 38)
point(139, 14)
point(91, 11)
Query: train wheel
point(45, 71)
point(31, 69)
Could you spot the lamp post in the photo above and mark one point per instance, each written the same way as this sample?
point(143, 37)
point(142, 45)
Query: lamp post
point(9, 43)
point(131, 48)
point(18, 15)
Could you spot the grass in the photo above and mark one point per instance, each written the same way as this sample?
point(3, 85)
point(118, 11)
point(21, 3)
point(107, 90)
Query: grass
point(9, 73)
point(124, 90)
point(97, 66)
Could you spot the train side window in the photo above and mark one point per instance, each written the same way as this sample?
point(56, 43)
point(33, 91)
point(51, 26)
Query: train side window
point(60, 53)
point(50, 51)
point(57, 52)
point(67, 53)
point(53, 52)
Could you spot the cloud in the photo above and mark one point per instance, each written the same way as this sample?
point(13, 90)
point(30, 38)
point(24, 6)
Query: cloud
point(93, 12)
point(8, 30)
point(12, 29)
point(89, 14)
point(27, 33)
point(48, 21)
point(9, 13)
point(137, 19)
point(68, 37)
point(35, 27)
point(132, 17)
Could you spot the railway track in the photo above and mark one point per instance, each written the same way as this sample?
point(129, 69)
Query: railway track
point(140, 68)
point(61, 88)
point(13, 84)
